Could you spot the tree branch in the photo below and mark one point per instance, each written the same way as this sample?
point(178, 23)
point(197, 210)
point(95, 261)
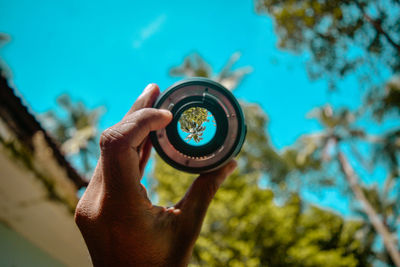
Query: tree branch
point(378, 27)
point(373, 216)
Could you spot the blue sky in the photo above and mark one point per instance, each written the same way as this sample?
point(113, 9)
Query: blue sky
point(210, 127)
point(105, 53)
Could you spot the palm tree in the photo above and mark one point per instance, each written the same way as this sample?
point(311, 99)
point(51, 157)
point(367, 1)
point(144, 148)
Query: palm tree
point(195, 66)
point(77, 131)
point(339, 132)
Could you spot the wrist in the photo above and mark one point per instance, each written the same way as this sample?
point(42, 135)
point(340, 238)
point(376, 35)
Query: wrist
point(119, 258)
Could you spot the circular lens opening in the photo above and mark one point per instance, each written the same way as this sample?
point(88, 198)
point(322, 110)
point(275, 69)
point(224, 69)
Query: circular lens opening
point(197, 126)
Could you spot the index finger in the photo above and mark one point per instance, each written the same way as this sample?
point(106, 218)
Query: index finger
point(145, 100)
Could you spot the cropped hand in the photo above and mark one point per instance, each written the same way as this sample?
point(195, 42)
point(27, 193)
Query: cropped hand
point(120, 225)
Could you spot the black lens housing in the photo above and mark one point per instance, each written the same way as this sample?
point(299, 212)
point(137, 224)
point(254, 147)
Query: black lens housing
point(227, 140)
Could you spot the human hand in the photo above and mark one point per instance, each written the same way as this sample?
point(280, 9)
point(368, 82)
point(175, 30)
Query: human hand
point(120, 225)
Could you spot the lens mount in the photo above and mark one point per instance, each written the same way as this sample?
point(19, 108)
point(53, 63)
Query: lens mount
point(229, 119)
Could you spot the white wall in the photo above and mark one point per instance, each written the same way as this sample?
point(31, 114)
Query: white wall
point(16, 251)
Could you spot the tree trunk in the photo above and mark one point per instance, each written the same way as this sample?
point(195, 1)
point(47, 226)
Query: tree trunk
point(373, 216)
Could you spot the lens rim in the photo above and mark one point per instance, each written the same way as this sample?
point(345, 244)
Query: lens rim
point(172, 127)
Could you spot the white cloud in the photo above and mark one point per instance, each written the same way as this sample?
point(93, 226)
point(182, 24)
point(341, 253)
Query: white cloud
point(149, 30)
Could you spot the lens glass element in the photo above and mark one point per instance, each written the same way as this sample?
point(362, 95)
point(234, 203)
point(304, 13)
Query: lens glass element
point(197, 126)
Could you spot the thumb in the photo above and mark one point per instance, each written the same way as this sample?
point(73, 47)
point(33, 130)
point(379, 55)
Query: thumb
point(120, 146)
point(134, 128)
point(197, 199)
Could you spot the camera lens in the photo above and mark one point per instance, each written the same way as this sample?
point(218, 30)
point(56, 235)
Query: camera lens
point(207, 128)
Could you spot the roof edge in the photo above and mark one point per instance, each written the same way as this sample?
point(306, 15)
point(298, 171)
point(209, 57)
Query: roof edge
point(25, 125)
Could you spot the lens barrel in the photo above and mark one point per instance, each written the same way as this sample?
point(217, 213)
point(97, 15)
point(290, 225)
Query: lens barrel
point(230, 126)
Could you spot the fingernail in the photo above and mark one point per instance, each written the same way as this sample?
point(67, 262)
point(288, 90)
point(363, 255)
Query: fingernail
point(176, 211)
point(149, 86)
point(166, 112)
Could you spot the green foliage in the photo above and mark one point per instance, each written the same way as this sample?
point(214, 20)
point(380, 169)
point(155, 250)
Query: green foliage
point(386, 103)
point(246, 227)
point(76, 130)
point(191, 122)
point(342, 132)
point(341, 36)
point(359, 38)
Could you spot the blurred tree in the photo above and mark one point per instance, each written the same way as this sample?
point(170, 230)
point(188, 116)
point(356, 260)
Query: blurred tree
point(342, 134)
point(342, 37)
point(3, 38)
point(195, 66)
point(4, 70)
point(245, 227)
point(76, 130)
point(359, 38)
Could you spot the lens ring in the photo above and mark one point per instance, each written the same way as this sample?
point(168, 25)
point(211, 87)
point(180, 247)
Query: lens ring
point(228, 138)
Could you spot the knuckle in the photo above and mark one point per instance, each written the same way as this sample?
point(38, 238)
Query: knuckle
point(111, 139)
point(139, 118)
point(140, 121)
point(116, 136)
point(86, 215)
point(81, 215)
point(144, 115)
point(142, 118)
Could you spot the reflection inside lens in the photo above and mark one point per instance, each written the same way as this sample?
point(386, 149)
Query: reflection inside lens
point(196, 126)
